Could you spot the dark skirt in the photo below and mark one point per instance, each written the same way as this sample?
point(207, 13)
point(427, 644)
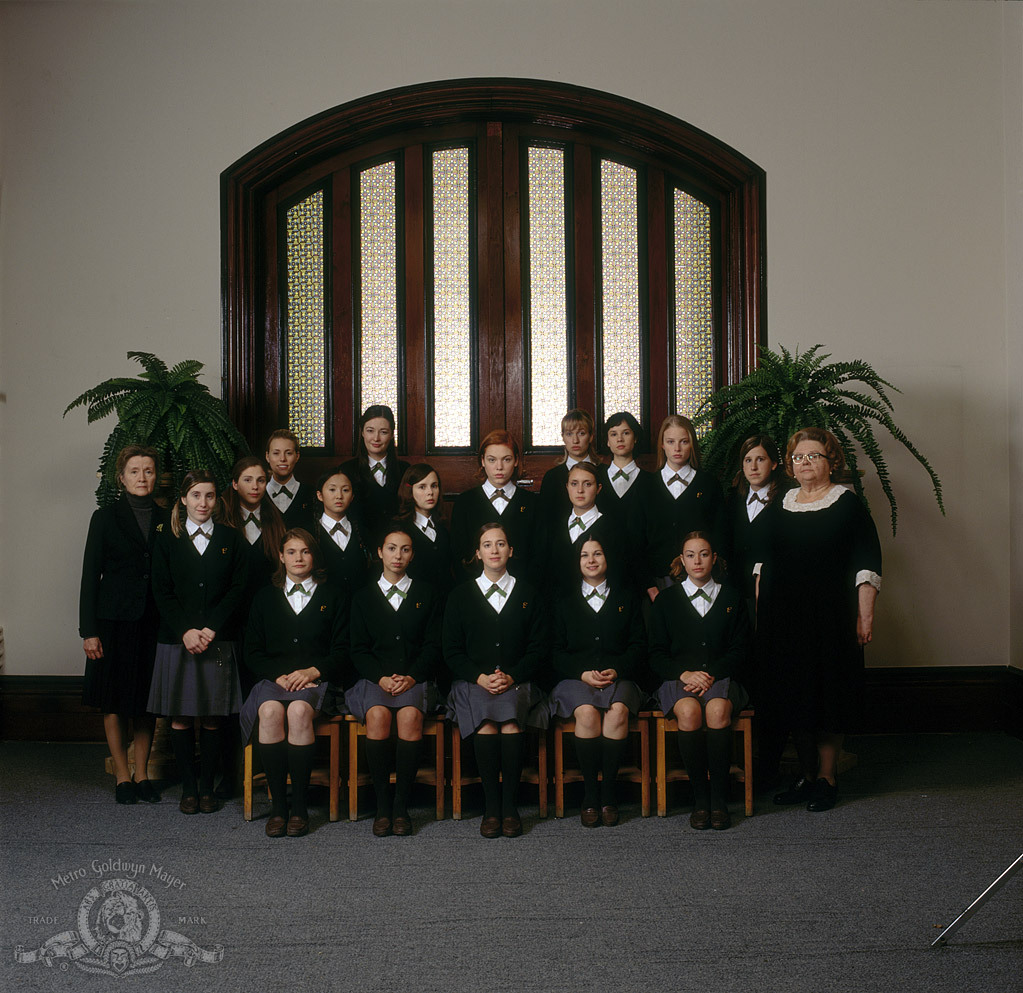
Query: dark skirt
point(189, 685)
point(119, 682)
point(366, 694)
point(670, 692)
point(267, 689)
point(572, 693)
point(469, 705)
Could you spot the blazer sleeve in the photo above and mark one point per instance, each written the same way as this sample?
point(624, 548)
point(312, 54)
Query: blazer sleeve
point(172, 610)
point(334, 661)
point(734, 645)
point(258, 659)
point(361, 639)
point(660, 658)
point(428, 657)
point(562, 656)
point(536, 640)
point(630, 660)
point(92, 573)
point(228, 607)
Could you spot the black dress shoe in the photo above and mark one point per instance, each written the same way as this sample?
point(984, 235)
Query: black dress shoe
point(276, 827)
point(511, 827)
point(208, 803)
point(125, 792)
point(297, 826)
point(720, 820)
point(799, 792)
point(381, 827)
point(189, 804)
point(609, 815)
point(490, 827)
point(401, 827)
point(146, 792)
point(825, 796)
point(590, 817)
point(700, 820)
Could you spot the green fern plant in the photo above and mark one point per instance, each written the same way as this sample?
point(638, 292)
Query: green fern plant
point(787, 392)
point(169, 410)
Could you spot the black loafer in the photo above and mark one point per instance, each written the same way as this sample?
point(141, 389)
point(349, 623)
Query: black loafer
point(490, 827)
point(825, 796)
point(381, 827)
point(720, 820)
point(401, 827)
point(700, 820)
point(189, 804)
point(589, 817)
point(609, 815)
point(511, 826)
point(146, 792)
point(208, 803)
point(799, 792)
point(125, 792)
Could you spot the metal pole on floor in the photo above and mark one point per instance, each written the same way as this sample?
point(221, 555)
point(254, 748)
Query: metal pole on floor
point(977, 904)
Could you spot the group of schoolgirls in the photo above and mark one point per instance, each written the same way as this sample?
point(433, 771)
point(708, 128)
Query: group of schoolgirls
point(571, 602)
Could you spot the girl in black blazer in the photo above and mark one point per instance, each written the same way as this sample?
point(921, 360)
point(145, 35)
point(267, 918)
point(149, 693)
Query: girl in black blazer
point(293, 499)
point(199, 578)
point(340, 535)
point(420, 497)
point(495, 639)
point(118, 619)
point(376, 470)
point(577, 435)
point(296, 648)
point(396, 650)
point(498, 498)
point(599, 646)
point(699, 636)
point(684, 499)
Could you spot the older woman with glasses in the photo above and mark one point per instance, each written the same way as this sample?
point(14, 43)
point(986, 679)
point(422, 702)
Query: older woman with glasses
point(815, 612)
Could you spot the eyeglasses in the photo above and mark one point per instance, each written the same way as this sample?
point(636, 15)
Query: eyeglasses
point(809, 457)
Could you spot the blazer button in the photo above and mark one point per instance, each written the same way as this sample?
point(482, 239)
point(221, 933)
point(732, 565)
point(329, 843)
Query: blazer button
point(294, 641)
point(397, 637)
point(497, 644)
point(145, 575)
point(201, 585)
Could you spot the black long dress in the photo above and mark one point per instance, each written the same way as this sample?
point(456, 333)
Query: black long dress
point(809, 665)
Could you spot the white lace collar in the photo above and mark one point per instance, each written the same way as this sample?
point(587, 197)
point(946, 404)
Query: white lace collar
point(831, 497)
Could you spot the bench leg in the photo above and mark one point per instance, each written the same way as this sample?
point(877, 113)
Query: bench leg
point(247, 783)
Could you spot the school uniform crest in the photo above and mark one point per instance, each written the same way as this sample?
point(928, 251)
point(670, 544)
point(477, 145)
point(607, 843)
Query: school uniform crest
point(323, 608)
point(159, 527)
point(223, 551)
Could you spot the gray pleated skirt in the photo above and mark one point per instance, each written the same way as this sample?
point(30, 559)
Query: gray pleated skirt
point(267, 689)
point(366, 694)
point(572, 693)
point(186, 685)
point(670, 692)
point(469, 705)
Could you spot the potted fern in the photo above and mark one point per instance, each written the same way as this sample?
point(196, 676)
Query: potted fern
point(169, 410)
point(787, 392)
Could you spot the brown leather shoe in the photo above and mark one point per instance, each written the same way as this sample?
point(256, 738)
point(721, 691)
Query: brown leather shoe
point(700, 819)
point(720, 820)
point(208, 804)
point(401, 827)
point(297, 826)
point(511, 827)
point(189, 804)
point(490, 827)
point(275, 827)
point(589, 817)
point(381, 827)
point(609, 815)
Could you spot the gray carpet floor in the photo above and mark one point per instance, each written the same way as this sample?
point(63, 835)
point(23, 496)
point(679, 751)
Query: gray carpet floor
point(786, 900)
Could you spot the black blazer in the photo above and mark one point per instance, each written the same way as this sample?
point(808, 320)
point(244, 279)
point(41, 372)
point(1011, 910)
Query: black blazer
point(117, 567)
point(699, 508)
point(279, 641)
point(554, 502)
point(612, 638)
point(406, 641)
point(561, 565)
point(683, 641)
point(347, 569)
point(302, 511)
point(520, 520)
point(631, 514)
point(198, 591)
point(479, 640)
point(746, 542)
point(431, 560)
point(374, 505)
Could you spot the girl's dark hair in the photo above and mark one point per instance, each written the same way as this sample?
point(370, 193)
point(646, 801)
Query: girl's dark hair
point(191, 479)
point(473, 559)
point(281, 575)
point(766, 442)
point(391, 527)
point(678, 569)
point(336, 471)
point(609, 556)
point(231, 512)
point(623, 417)
point(406, 502)
point(373, 411)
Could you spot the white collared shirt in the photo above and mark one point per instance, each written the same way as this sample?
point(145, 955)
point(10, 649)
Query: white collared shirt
point(298, 600)
point(686, 473)
point(339, 537)
point(252, 532)
point(506, 583)
point(426, 526)
point(380, 478)
point(403, 584)
point(588, 519)
point(595, 602)
point(622, 483)
point(201, 543)
point(711, 588)
point(754, 507)
point(281, 501)
point(501, 503)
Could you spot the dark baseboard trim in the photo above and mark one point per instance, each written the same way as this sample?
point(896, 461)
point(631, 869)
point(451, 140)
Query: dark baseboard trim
point(931, 699)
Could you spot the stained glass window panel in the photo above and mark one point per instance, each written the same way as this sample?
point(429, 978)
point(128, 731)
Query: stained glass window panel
point(548, 301)
point(305, 357)
point(620, 289)
point(693, 333)
point(452, 345)
point(378, 259)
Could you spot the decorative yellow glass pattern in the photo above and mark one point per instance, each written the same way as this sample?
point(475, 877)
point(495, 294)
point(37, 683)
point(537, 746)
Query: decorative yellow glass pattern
point(548, 301)
point(378, 260)
point(306, 365)
point(620, 310)
point(452, 345)
point(694, 312)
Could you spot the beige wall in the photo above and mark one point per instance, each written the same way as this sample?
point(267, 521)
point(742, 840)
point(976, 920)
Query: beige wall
point(890, 133)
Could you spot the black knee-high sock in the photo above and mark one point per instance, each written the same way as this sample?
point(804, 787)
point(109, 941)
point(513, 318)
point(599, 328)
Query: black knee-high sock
point(209, 758)
point(613, 753)
point(692, 746)
point(378, 757)
point(588, 751)
point(719, 761)
point(488, 760)
point(512, 747)
point(300, 765)
point(183, 742)
point(275, 764)
point(406, 765)
point(806, 749)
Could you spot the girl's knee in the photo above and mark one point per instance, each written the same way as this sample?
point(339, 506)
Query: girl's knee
point(719, 714)
point(587, 720)
point(300, 715)
point(689, 714)
point(378, 722)
point(410, 723)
